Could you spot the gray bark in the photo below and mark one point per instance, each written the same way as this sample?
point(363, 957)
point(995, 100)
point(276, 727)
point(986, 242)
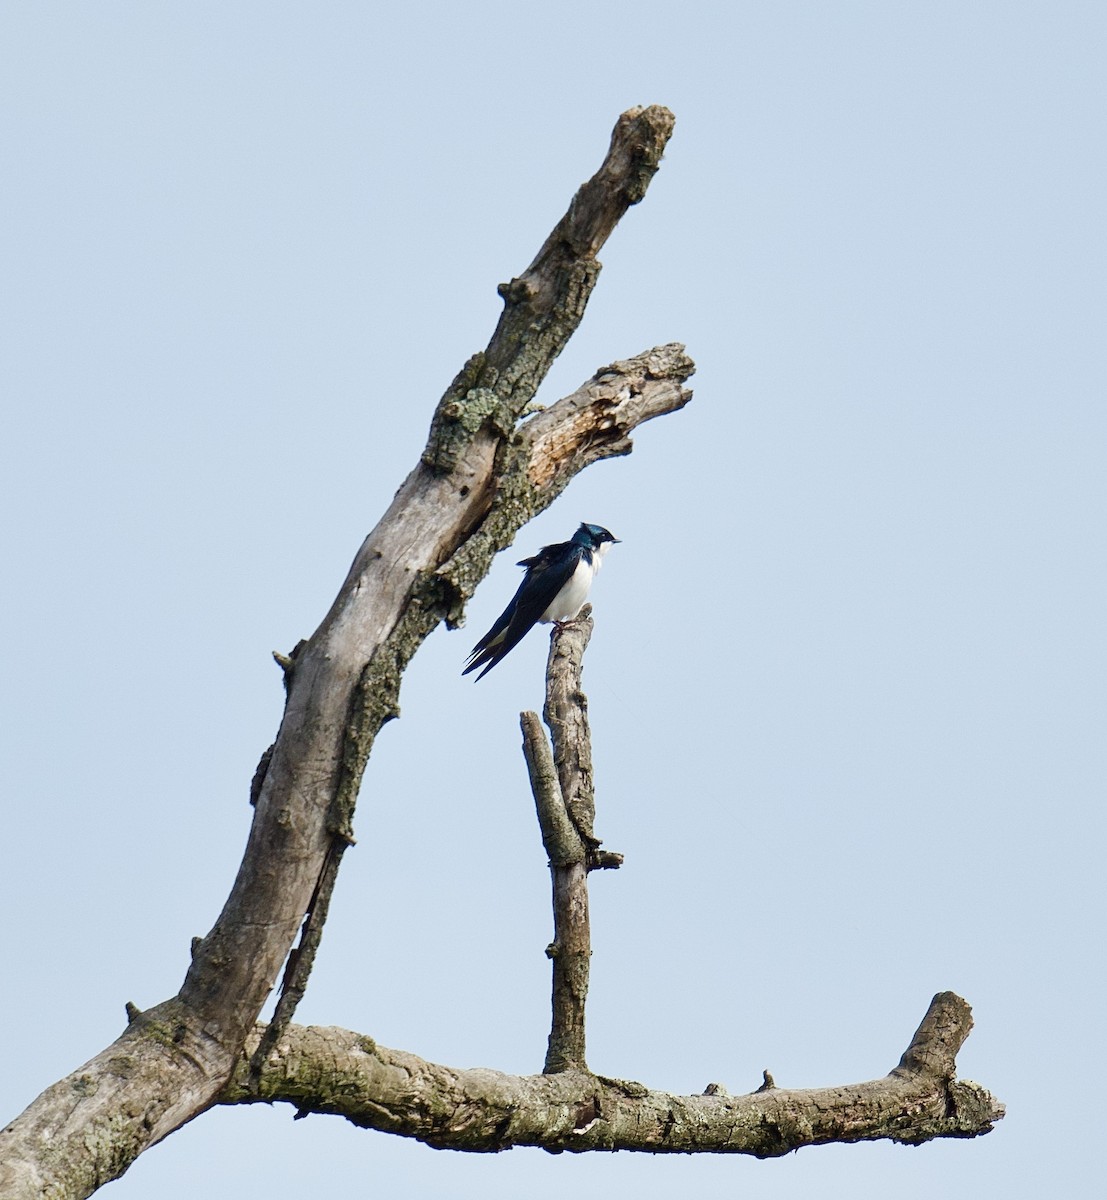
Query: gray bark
point(484, 472)
point(336, 1071)
point(564, 798)
point(480, 478)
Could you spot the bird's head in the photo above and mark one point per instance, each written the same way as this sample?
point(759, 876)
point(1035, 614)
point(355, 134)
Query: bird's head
point(593, 536)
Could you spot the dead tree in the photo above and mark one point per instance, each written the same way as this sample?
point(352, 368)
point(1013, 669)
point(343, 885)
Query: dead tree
point(488, 467)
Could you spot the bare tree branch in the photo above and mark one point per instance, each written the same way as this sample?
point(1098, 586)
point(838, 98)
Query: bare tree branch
point(565, 801)
point(488, 467)
point(571, 948)
point(566, 812)
point(326, 1070)
point(477, 483)
point(559, 835)
point(302, 958)
point(566, 714)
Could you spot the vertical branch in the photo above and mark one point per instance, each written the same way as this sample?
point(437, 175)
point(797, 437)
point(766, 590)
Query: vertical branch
point(561, 781)
point(571, 948)
point(566, 714)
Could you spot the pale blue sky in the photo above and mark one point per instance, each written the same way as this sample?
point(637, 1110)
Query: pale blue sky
point(847, 677)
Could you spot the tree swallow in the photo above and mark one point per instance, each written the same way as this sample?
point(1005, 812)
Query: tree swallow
point(554, 588)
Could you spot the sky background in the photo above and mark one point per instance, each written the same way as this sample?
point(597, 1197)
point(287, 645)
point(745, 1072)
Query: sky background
point(847, 679)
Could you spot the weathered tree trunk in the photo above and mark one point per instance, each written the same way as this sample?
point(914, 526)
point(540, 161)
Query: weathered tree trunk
point(484, 472)
point(480, 478)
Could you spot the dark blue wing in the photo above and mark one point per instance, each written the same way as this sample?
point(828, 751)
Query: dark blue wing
point(547, 573)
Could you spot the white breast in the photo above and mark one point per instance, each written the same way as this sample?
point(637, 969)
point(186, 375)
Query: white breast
point(569, 601)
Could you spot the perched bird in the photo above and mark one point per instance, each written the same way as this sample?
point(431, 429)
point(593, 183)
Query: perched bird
point(554, 588)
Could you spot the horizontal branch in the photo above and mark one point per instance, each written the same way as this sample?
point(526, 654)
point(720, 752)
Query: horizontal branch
point(335, 1071)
